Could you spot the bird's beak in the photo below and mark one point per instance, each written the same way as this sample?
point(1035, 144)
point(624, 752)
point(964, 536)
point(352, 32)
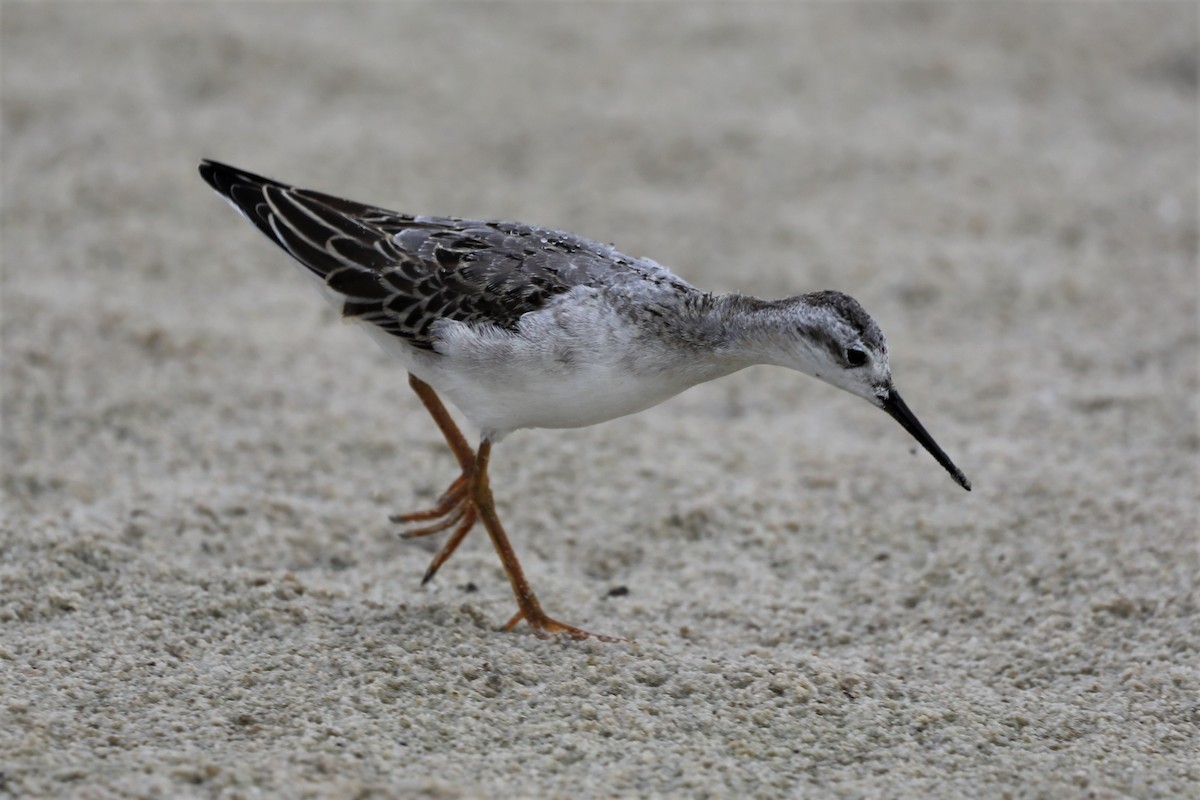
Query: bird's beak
point(895, 405)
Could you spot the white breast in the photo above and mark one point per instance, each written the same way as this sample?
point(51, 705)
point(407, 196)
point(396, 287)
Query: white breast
point(572, 364)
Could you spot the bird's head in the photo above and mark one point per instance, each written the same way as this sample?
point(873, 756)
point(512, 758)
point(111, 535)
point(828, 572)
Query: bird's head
point(830, 336)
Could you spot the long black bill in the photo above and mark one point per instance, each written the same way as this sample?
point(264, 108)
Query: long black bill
point(899, 410)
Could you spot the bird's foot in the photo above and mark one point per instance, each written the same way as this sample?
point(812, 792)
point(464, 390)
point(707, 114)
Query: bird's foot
point(454, 507)
point(546, 628)
point(450, 508)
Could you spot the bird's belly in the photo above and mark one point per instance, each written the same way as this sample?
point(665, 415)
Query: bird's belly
point(567, 399)
point(569, 367)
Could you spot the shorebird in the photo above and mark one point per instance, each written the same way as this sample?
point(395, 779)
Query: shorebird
point(526, 327)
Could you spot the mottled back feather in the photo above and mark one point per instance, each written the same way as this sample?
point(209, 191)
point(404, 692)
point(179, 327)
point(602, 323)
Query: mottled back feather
point(403, 273)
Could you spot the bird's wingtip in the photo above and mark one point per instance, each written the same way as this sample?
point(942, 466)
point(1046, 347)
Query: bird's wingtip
point(210, 170)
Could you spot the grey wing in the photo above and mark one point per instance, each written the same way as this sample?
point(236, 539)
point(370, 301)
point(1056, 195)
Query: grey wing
point(403, 273)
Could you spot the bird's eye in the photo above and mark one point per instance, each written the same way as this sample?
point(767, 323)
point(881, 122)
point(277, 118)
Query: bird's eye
point(855, 358)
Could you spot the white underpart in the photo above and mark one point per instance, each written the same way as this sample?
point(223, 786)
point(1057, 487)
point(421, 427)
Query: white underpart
point(571, 364)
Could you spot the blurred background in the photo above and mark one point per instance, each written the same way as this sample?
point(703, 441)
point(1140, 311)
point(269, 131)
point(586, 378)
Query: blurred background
point(1011, 190)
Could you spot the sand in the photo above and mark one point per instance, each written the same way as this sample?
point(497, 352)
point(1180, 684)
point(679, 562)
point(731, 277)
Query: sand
point(201, 593)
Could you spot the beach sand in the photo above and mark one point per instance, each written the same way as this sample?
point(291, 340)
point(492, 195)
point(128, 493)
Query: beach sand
point(201, 593)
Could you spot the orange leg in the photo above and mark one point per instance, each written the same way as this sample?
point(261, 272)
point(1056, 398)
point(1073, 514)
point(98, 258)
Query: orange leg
point(530, 609)
point(468, 499)
point(454, 507)
point(454, 438)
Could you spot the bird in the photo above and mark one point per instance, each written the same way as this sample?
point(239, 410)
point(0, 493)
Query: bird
point(521, 326)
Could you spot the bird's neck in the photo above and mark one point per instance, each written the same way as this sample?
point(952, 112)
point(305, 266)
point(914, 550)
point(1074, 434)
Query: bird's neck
point(742, 330)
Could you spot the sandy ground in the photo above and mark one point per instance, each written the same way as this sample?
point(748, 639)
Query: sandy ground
point(201, 594)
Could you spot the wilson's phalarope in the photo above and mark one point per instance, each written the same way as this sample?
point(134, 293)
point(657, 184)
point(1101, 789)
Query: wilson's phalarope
point(527, 327)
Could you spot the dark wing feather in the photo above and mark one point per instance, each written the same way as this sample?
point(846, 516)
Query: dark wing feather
point(404, 272)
